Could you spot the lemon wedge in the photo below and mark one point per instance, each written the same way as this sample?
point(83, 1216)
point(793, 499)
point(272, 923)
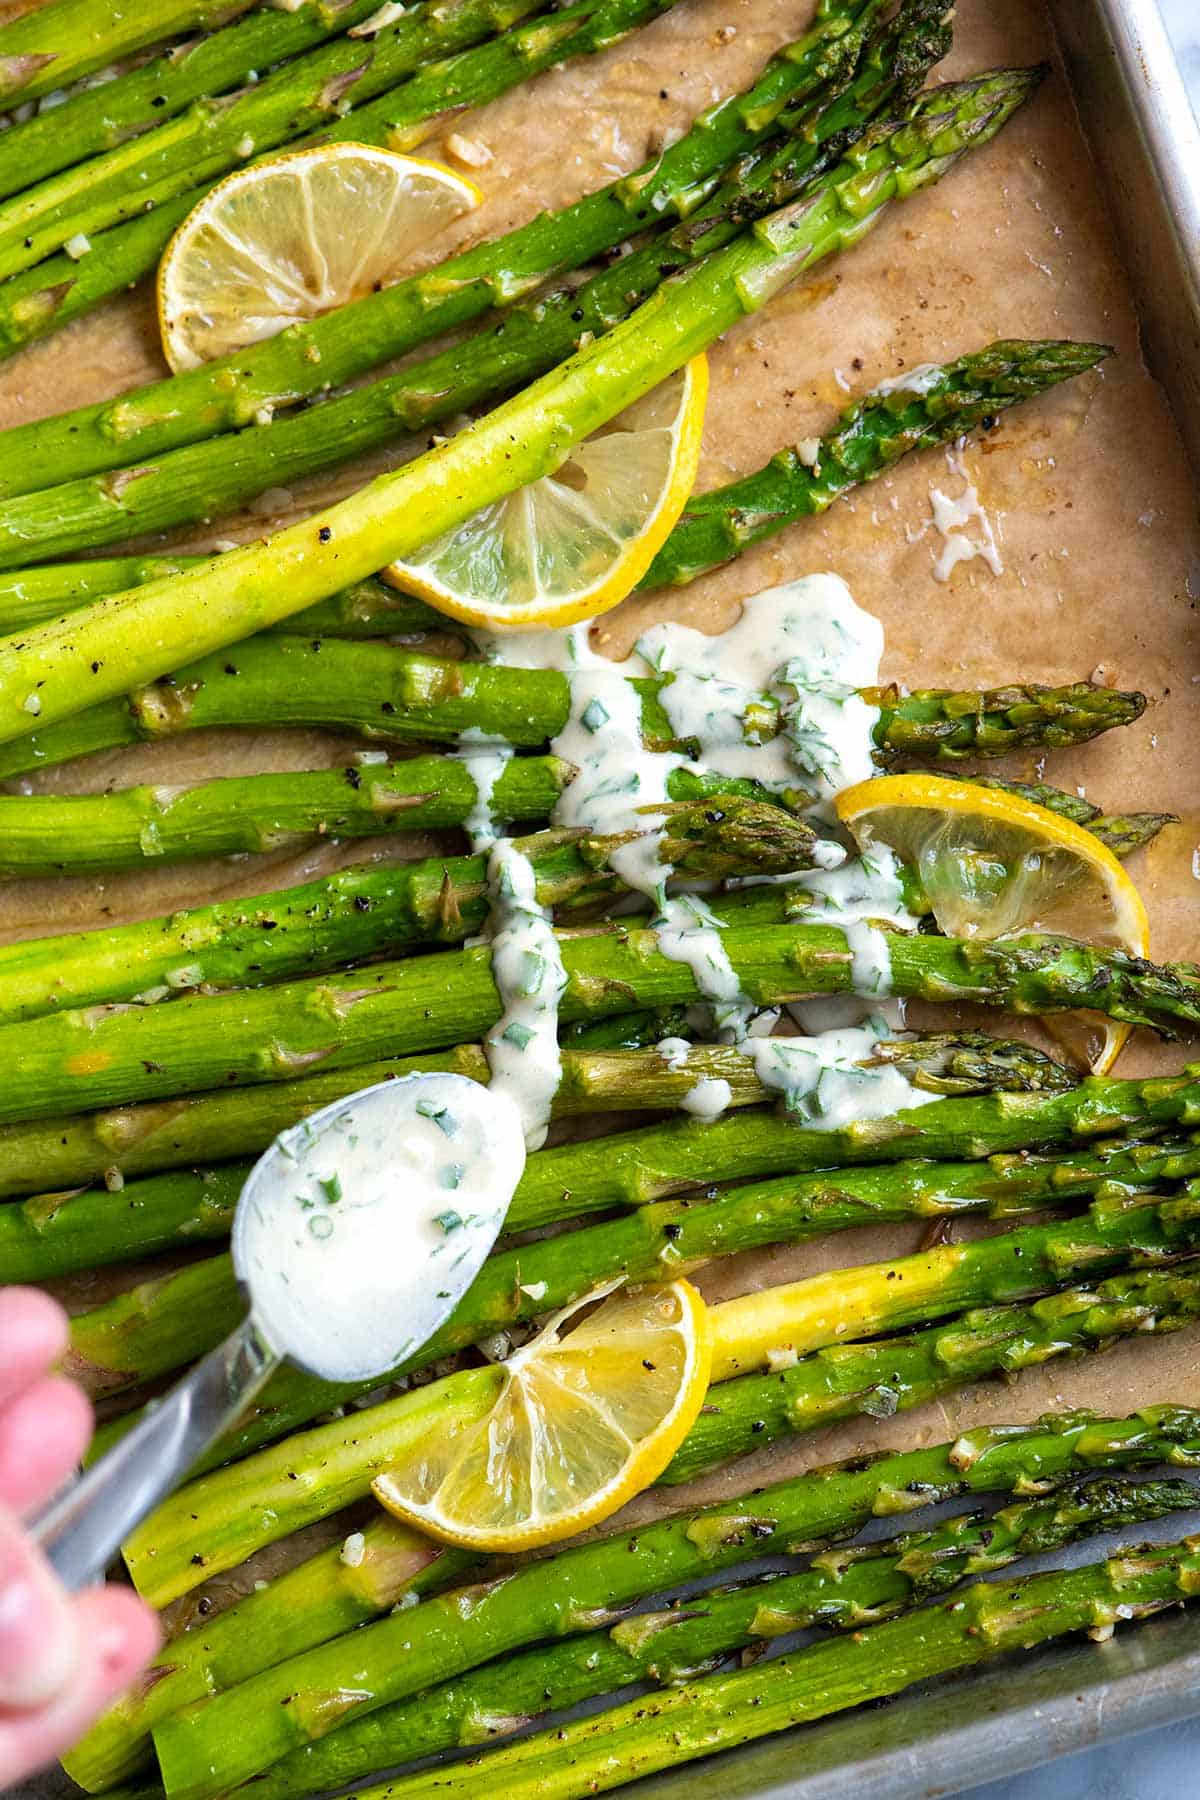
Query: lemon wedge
point(583, 1420)
point(576, 542)
point(293, 237)
point(992, 864)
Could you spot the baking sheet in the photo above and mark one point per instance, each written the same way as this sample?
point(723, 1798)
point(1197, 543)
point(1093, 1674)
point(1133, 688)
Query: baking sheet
point(1088, 490)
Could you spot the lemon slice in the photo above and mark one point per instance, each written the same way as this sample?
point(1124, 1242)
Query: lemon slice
point(583, 1421)
point(575, 543)
point(992, 864)
point(294, 237)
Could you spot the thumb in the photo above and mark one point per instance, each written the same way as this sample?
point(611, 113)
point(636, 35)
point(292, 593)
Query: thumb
point(39, 1637)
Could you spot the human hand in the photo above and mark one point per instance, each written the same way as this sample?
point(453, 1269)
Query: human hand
point(63, 1658)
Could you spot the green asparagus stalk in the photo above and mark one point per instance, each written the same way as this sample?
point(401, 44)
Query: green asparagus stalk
point(212, 1747)
point(842, 1589)
point(358, 913)
point(320, 1598)
point(871, 435)
point(56, 670)
point(633, 1167)
point(213, 477)
point(61, 289)
point(306, 95)
point(292, 1399)
point(384, 693)
point(57, 834)
point(162, 1324)
point(99, 118)
point(367, 609)
point(868, 440)
point(229, 394)
point(55, 45)
point(105, 1056)
point(42, 834)
point(1122, 833)
point(314, 1601)
point(867, 443)
point(847, 1304)
point(62, 1232)
point(880, 1379)
point(596, 1754)
point(73, 1151)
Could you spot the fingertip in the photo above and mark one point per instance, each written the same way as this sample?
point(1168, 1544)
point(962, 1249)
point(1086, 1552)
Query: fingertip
point(124, 1633)
point(34, 1333)
point(43, 1434)
point(117, 1634)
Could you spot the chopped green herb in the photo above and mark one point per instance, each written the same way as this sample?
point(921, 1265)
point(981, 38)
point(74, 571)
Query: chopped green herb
point(520, 1035)
point(450, 1175)
point(535, 972)
point(595, 714)
point(331, 1187)
point(321, 1225)
point(442, 1117)
point(449, 1221)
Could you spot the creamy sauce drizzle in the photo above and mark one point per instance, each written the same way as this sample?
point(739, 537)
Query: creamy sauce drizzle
point(527, 968)
point(951, 514)
point(809, 649)
point(486, 759)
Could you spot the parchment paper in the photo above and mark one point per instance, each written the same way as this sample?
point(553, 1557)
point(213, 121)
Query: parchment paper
point(1094, 511)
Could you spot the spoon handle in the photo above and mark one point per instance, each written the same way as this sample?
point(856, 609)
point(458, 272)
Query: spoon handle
point(82, 1530)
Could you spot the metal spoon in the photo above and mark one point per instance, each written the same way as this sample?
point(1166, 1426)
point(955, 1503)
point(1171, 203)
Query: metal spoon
point(376, 1172)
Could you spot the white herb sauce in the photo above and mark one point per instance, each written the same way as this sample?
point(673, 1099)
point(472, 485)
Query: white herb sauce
point(527, 968)
point(486, 759)
point(341, 1235)
point(805, 649)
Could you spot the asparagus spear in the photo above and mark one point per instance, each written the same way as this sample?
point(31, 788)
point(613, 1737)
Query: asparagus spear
point(58, 1233)
point(55, 45)
point(134, 637)
point(58, 290)
point(162, 1324)
point(71, 1151)
point(357, 913)
point(42, 834)
point(969, 391)
point(367, 609)
point(593, 1755)
point(61, 289)
point(871, 434)
point(1104, 1117)
point(880, 1379)
point(55, 834)
point(213, 477)
point(843, 1589)
point(315, 1600)
point(101, 117)
point(211, 1747)
point(103, 1056)
point(382, 692)
point(228, 394)
point(1122, 833)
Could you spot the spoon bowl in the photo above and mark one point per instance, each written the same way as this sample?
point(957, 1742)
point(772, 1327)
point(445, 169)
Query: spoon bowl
point(356, 1235)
